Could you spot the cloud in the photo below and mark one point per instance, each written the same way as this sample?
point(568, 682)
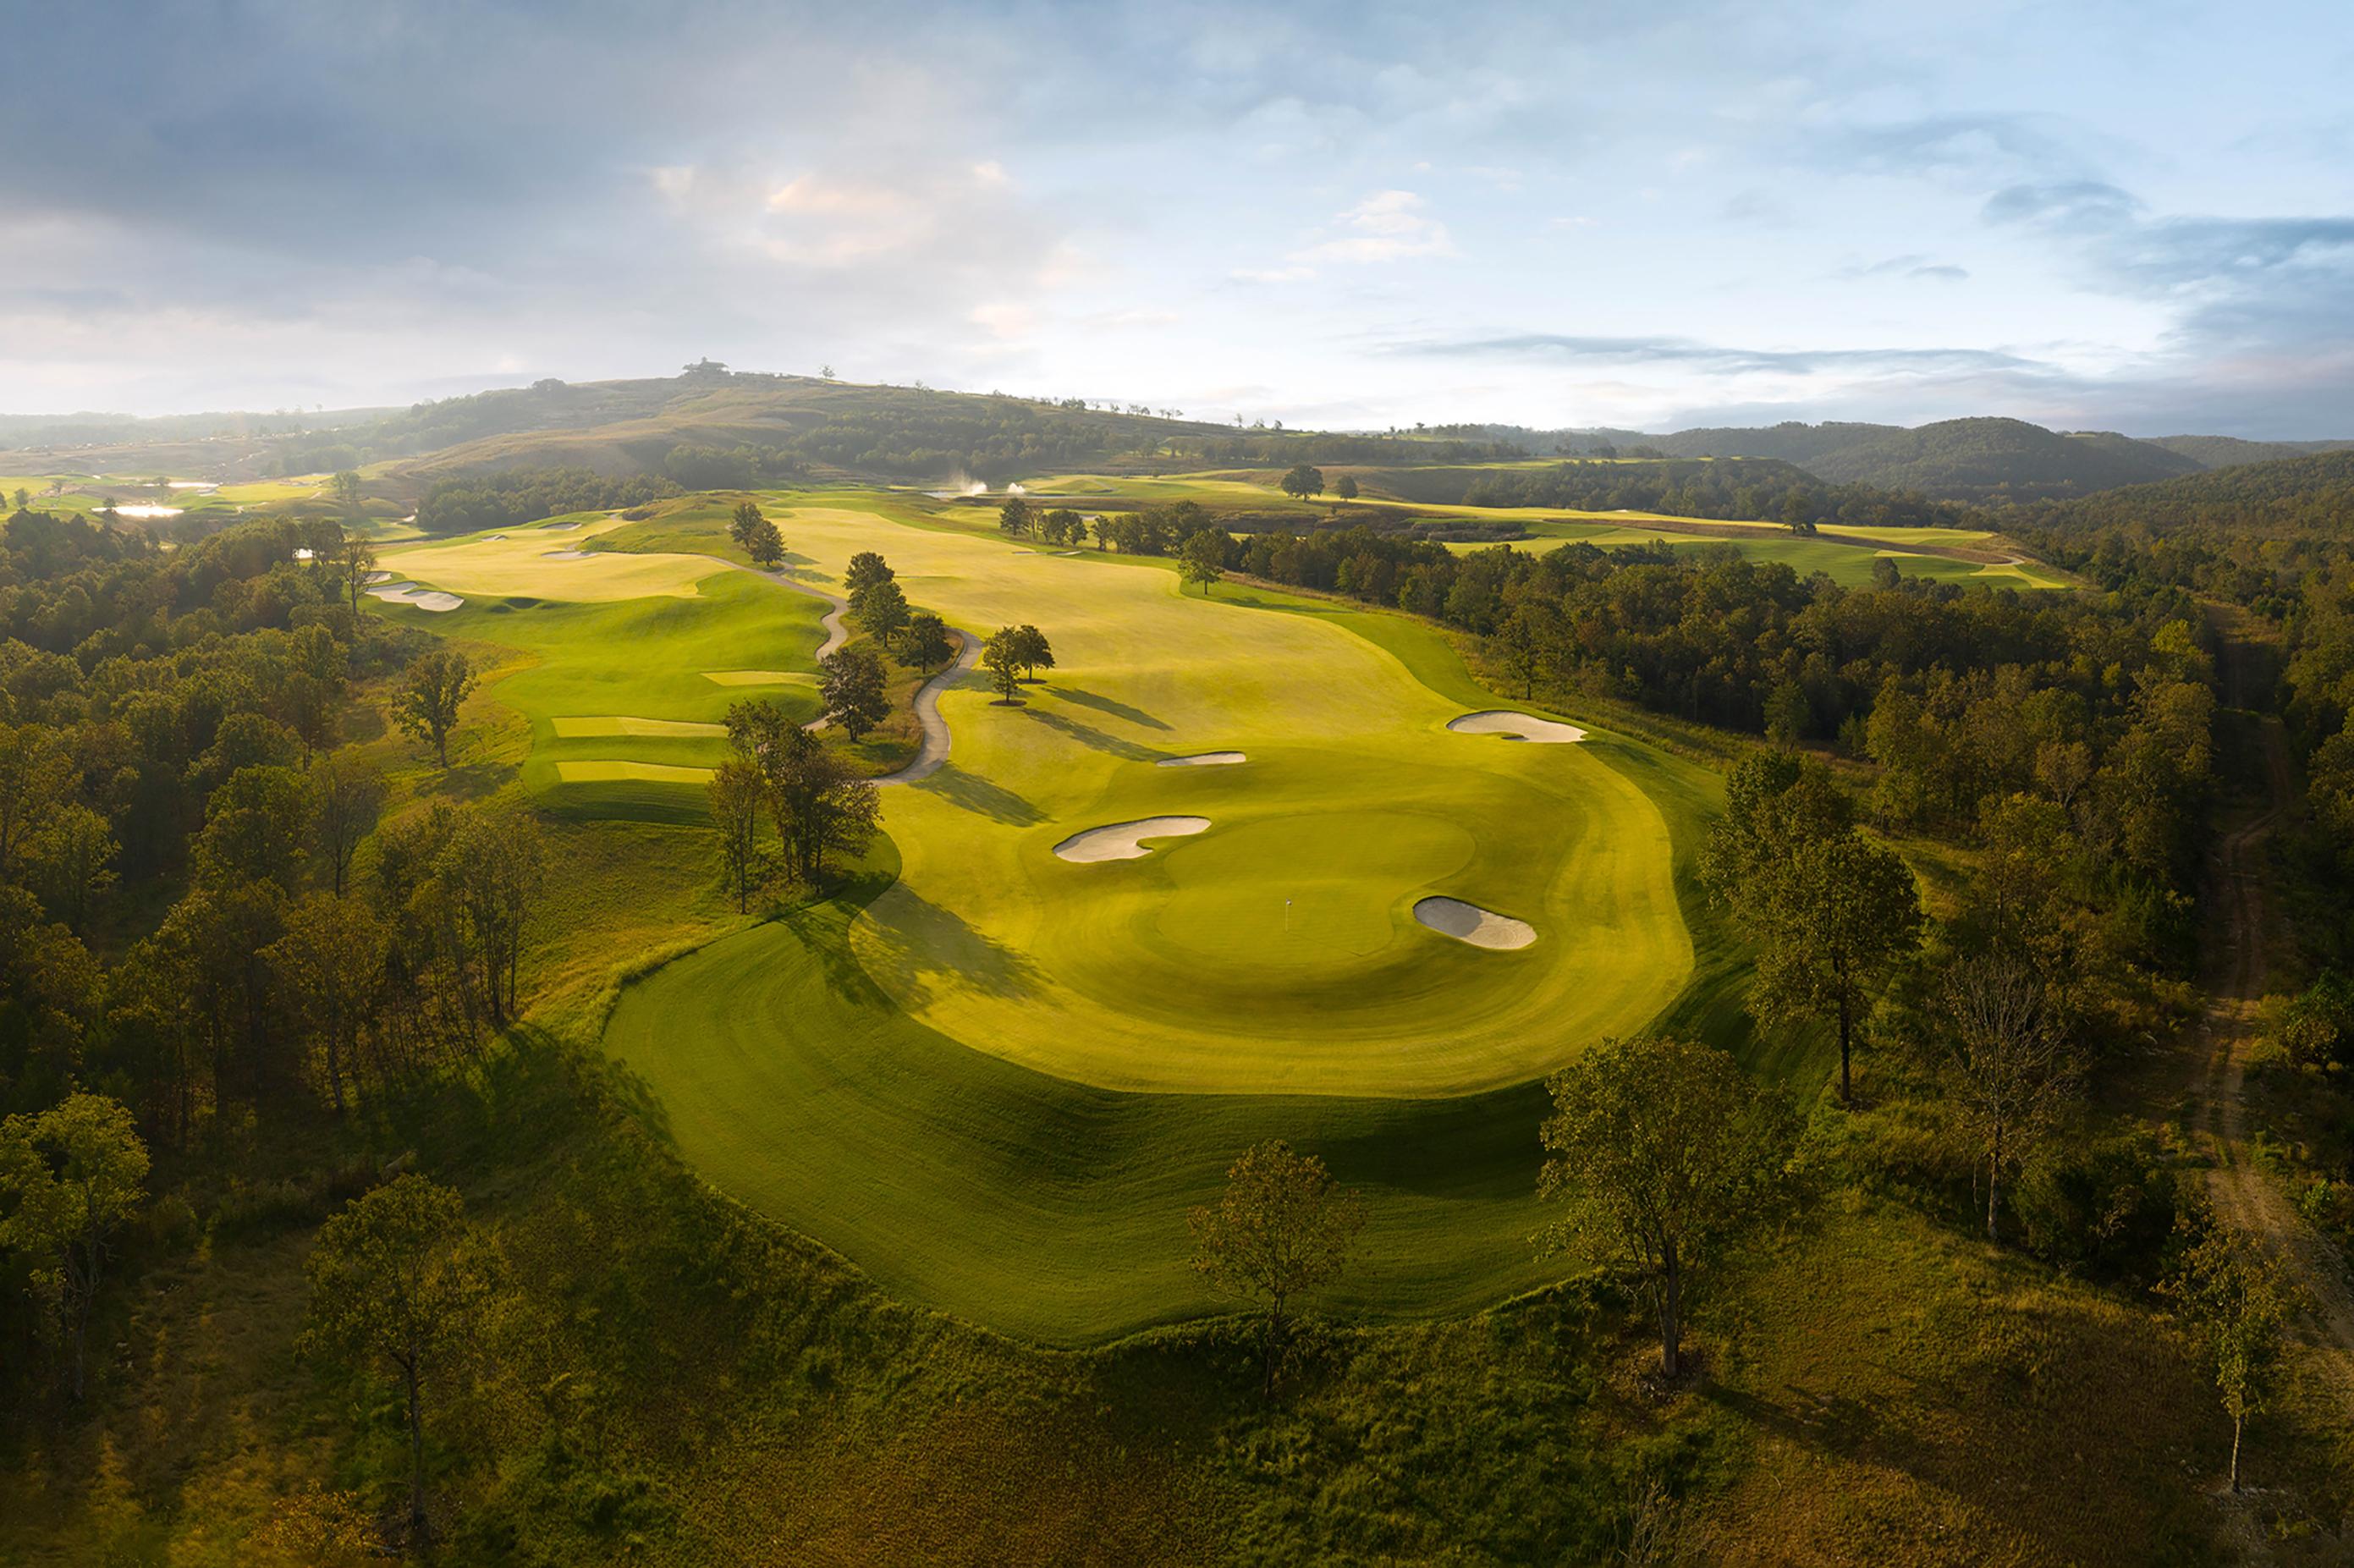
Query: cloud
point(1910, 265)
point(1387, 225)
point(1721, 358)
point(2066, 206)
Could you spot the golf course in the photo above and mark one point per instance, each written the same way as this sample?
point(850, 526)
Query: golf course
point(1238, 866)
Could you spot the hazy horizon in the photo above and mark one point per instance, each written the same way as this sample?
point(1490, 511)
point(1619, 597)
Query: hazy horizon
point(1642, 217)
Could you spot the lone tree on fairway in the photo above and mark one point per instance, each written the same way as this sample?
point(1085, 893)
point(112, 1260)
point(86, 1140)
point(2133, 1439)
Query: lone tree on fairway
point(1002, 657)
point(1281, 1229)
point(68, 1178)
point(425, 707)
point(1832, 914)
point(2234, 1298)
point(850, 683)
point(1345, 487)
point(1013, 516)
point(1204, 559)
point(756, 535)
point(2009, 1066)
point(394, 1280)
point(882, 610)
point(1036, 652)
point(1663, 1150)
point(1303, 482)
point(927, 642)
point(866, 569)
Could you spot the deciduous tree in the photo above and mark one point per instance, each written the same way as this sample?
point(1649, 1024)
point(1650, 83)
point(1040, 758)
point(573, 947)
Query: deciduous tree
point(1303, 482)
point(865, 570)
point(2235, 1299)
point(737, 800)
point(851, 685)
point(1036, 652)
point(1662, 1151)
point(927, 642)
point(396, 1280)
point(2009, 1065)
point(1281, 1229)
point(882, 610)
point(68, 1178)
point(346, 797)
point(425, 705)
point(1204, 559)
point(1002, 657)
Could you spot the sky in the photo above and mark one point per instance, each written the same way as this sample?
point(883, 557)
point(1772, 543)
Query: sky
point(2135, 216)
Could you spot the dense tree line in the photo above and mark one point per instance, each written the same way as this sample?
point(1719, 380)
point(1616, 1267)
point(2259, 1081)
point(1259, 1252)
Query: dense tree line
point(1738, 489)
point(520, 496)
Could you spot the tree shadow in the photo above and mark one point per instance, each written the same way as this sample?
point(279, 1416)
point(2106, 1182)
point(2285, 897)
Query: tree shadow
point(1088, 735)
point(922, 941)
point(1134, 715)
point(978, 795)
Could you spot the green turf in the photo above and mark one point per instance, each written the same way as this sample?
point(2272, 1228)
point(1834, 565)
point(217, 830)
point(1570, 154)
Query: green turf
point(796, 1073)
point(613, 666)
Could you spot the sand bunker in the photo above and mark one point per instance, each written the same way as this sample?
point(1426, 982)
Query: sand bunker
point(377, 578)
point(1517, 726)
point(559, 527)
point(564, 554)
point(1204, 759)
point(149, 513)
point(1469, 923)
point(433, 600)
point(1125, 840)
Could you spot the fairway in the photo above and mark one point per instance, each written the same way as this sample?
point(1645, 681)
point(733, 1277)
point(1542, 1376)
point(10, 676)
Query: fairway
point(1276, 950)
point(1366, 914)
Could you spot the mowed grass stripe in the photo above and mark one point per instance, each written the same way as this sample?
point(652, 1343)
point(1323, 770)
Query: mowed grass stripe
point(1034, 1205)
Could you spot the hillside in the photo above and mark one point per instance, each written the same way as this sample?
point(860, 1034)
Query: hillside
point(1985, 460)
point(2228, 452)
point(2296, 497)
point(616, 428)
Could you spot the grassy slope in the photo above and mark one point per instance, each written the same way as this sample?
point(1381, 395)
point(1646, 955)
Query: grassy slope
point(782, 1070)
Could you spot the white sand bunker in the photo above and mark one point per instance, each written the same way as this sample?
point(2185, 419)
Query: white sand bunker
point(1469, 923)
point(1204, 759)
point(564, 554)
point(377, 578)
point(1125, 840)
point(433, 600)
point(1518, 726)
point(559, 527)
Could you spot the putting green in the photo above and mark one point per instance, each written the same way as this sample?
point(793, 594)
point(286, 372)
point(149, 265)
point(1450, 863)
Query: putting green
point(1276, 951)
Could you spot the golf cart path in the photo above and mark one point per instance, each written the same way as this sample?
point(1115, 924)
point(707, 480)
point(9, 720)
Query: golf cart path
point(836, 634)
point(935, 748)
point(2244, 1197)
point(934, 751)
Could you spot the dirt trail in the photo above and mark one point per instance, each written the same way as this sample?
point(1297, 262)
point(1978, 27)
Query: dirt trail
point(2244, 1196)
